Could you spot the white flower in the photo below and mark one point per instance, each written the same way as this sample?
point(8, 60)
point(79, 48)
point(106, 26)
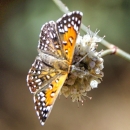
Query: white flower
point(94, 84)
point(86, 71)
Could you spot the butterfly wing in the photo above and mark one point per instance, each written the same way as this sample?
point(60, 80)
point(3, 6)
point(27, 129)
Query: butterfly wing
point(39, 75)
point(68, 29)
point(45, 82)
point(44, 99)
point(49, 42)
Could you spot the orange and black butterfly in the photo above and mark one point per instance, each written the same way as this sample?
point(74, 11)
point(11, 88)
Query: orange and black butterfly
point(52, 65)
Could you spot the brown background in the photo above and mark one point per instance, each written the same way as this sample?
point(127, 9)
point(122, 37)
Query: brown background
point(20, 23)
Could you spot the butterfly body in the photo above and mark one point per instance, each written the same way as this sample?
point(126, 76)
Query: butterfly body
point(51, 67)
point(54, 62)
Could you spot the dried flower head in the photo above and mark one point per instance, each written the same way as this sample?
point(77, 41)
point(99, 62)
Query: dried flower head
point(86, 71)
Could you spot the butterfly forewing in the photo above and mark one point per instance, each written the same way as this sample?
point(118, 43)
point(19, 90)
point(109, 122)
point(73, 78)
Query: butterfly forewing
point(68, 29)
point(49, 41)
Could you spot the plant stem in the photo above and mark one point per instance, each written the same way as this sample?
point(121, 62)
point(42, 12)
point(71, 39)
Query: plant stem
point(123, 54)
point(106, 52)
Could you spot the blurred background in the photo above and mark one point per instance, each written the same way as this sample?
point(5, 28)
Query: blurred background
point(20, 23)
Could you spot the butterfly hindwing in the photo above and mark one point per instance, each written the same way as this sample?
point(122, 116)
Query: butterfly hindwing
point(44, 99)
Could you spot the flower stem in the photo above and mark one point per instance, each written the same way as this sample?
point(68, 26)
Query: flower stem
point(117, 51)
point(106, 52)
point(112, 48)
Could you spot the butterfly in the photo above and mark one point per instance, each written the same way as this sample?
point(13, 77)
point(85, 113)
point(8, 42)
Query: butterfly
point(51, 67)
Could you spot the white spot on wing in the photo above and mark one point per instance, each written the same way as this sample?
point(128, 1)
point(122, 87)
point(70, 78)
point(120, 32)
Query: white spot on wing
point(42, 123)
point(34, 99)
point(65, 28)
point(61, 25)
point(65, 21)
point(52, 94)
point(76, 19)
point(57, 46)
point(79, 21)
point(71, 40)
point(48, 108)
point(72, 22)
point(37, 113)
point(69, 25)
point(64, 42)
point(39, 83)
point(47, 41)
point(38, 80)
point(48, 77)
point(50, 86)
point(57, 80)
point(43, 99)
point(41, 94)
point(45, 49)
